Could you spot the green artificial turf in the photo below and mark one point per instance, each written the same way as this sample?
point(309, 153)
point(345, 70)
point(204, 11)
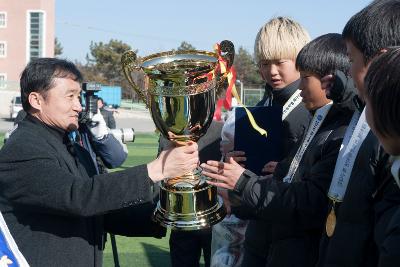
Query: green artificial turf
point(139, 251)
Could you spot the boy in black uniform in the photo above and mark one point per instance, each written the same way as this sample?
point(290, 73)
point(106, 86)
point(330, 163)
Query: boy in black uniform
point(351, 213)
point(293, 201)
point(276, 47)
point(382, 95)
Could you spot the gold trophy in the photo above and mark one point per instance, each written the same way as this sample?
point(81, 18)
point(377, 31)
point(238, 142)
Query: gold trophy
point(181, 94)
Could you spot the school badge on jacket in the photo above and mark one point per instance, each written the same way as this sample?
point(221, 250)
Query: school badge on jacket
point(10, 256)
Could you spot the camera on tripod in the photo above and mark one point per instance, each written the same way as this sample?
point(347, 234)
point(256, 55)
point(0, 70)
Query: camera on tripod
point(89, 101)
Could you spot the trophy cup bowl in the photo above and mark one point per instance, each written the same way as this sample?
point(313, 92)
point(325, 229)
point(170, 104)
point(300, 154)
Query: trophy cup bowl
point(181, 97)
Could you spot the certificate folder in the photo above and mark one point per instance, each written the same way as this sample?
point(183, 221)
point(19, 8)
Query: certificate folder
point(258, 148)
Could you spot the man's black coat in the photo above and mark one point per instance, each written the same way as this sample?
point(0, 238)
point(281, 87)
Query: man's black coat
point(54, 210)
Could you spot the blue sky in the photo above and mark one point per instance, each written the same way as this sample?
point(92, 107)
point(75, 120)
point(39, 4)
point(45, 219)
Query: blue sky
point(154, 26)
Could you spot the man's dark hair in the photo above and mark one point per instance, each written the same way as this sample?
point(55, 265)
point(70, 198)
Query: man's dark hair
point(38, 76)
point(374, 28)
point(382, 83)
point(100, 99)
point(324, 55)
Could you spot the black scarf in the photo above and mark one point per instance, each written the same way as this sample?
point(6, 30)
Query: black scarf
point(279, 96)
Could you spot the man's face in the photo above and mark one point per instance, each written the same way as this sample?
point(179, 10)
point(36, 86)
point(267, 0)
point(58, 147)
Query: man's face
point(100, 103)
point(279, 73)
point(312, 93)
point(390, 144)
point(358, 68)
point(61, 106)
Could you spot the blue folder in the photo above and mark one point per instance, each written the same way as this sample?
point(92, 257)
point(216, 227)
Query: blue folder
point(258, 148)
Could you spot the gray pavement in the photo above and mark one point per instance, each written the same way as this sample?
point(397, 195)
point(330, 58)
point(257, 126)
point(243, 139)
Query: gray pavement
point(139, 120)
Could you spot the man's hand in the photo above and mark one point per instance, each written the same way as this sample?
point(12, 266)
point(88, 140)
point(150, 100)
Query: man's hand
point(173, 162)
point(100, 129)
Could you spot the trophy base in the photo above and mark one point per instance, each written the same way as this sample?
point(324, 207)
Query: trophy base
point(189, 208)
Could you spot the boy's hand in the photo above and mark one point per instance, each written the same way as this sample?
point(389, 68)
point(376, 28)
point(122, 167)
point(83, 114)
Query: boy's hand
point(238, 156)
point(269, 167)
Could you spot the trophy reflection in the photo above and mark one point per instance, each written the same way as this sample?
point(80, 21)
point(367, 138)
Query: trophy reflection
point(181, 96)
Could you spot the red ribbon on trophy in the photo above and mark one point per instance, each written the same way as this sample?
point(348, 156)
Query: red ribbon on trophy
point(230, 72)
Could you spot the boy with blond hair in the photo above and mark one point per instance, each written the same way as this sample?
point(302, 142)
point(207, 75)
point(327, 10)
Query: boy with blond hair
point(276, 46)
point(293, 202)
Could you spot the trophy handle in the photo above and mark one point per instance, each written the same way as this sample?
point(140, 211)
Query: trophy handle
point(129, 64)
point(228, 54)
point(228, 51)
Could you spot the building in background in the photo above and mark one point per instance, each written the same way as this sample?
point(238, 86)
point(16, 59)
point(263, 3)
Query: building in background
point(26, 32)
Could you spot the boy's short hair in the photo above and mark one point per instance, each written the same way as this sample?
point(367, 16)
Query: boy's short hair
point(324, 55)
point(280, 38)
point(382, 83)
point(39, 74)
point(374, 28)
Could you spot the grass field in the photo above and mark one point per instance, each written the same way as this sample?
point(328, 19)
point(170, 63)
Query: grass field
point(140, 251)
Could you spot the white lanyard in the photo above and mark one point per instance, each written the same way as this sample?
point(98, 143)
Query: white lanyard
point(395, 170)
point(290, 104)
point(355, 135)
point(315, 124)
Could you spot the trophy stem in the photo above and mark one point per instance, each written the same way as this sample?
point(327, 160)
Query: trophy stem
point(188, 180)
point(187, 202)
point(187, 209)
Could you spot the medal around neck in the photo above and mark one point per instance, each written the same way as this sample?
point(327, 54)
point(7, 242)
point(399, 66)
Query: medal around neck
point(330, 223)
point(180, 89)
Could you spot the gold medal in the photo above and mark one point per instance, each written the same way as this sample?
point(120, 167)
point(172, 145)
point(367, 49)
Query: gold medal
point(330, 222)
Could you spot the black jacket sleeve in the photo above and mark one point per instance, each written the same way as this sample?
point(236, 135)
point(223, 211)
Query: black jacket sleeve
point(34, 176)
point(304, 200)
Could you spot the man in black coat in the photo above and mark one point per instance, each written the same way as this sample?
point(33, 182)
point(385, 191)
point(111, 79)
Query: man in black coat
point(54, 209)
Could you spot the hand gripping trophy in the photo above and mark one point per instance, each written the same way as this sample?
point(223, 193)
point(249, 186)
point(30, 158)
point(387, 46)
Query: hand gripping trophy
point(181, 93)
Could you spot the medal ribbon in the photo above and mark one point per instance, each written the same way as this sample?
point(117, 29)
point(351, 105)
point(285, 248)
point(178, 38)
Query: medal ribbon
point(355, 135)
point(292, 102)
point(315, 124)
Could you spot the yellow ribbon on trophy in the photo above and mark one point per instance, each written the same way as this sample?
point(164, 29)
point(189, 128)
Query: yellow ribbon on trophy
point(230, 73)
